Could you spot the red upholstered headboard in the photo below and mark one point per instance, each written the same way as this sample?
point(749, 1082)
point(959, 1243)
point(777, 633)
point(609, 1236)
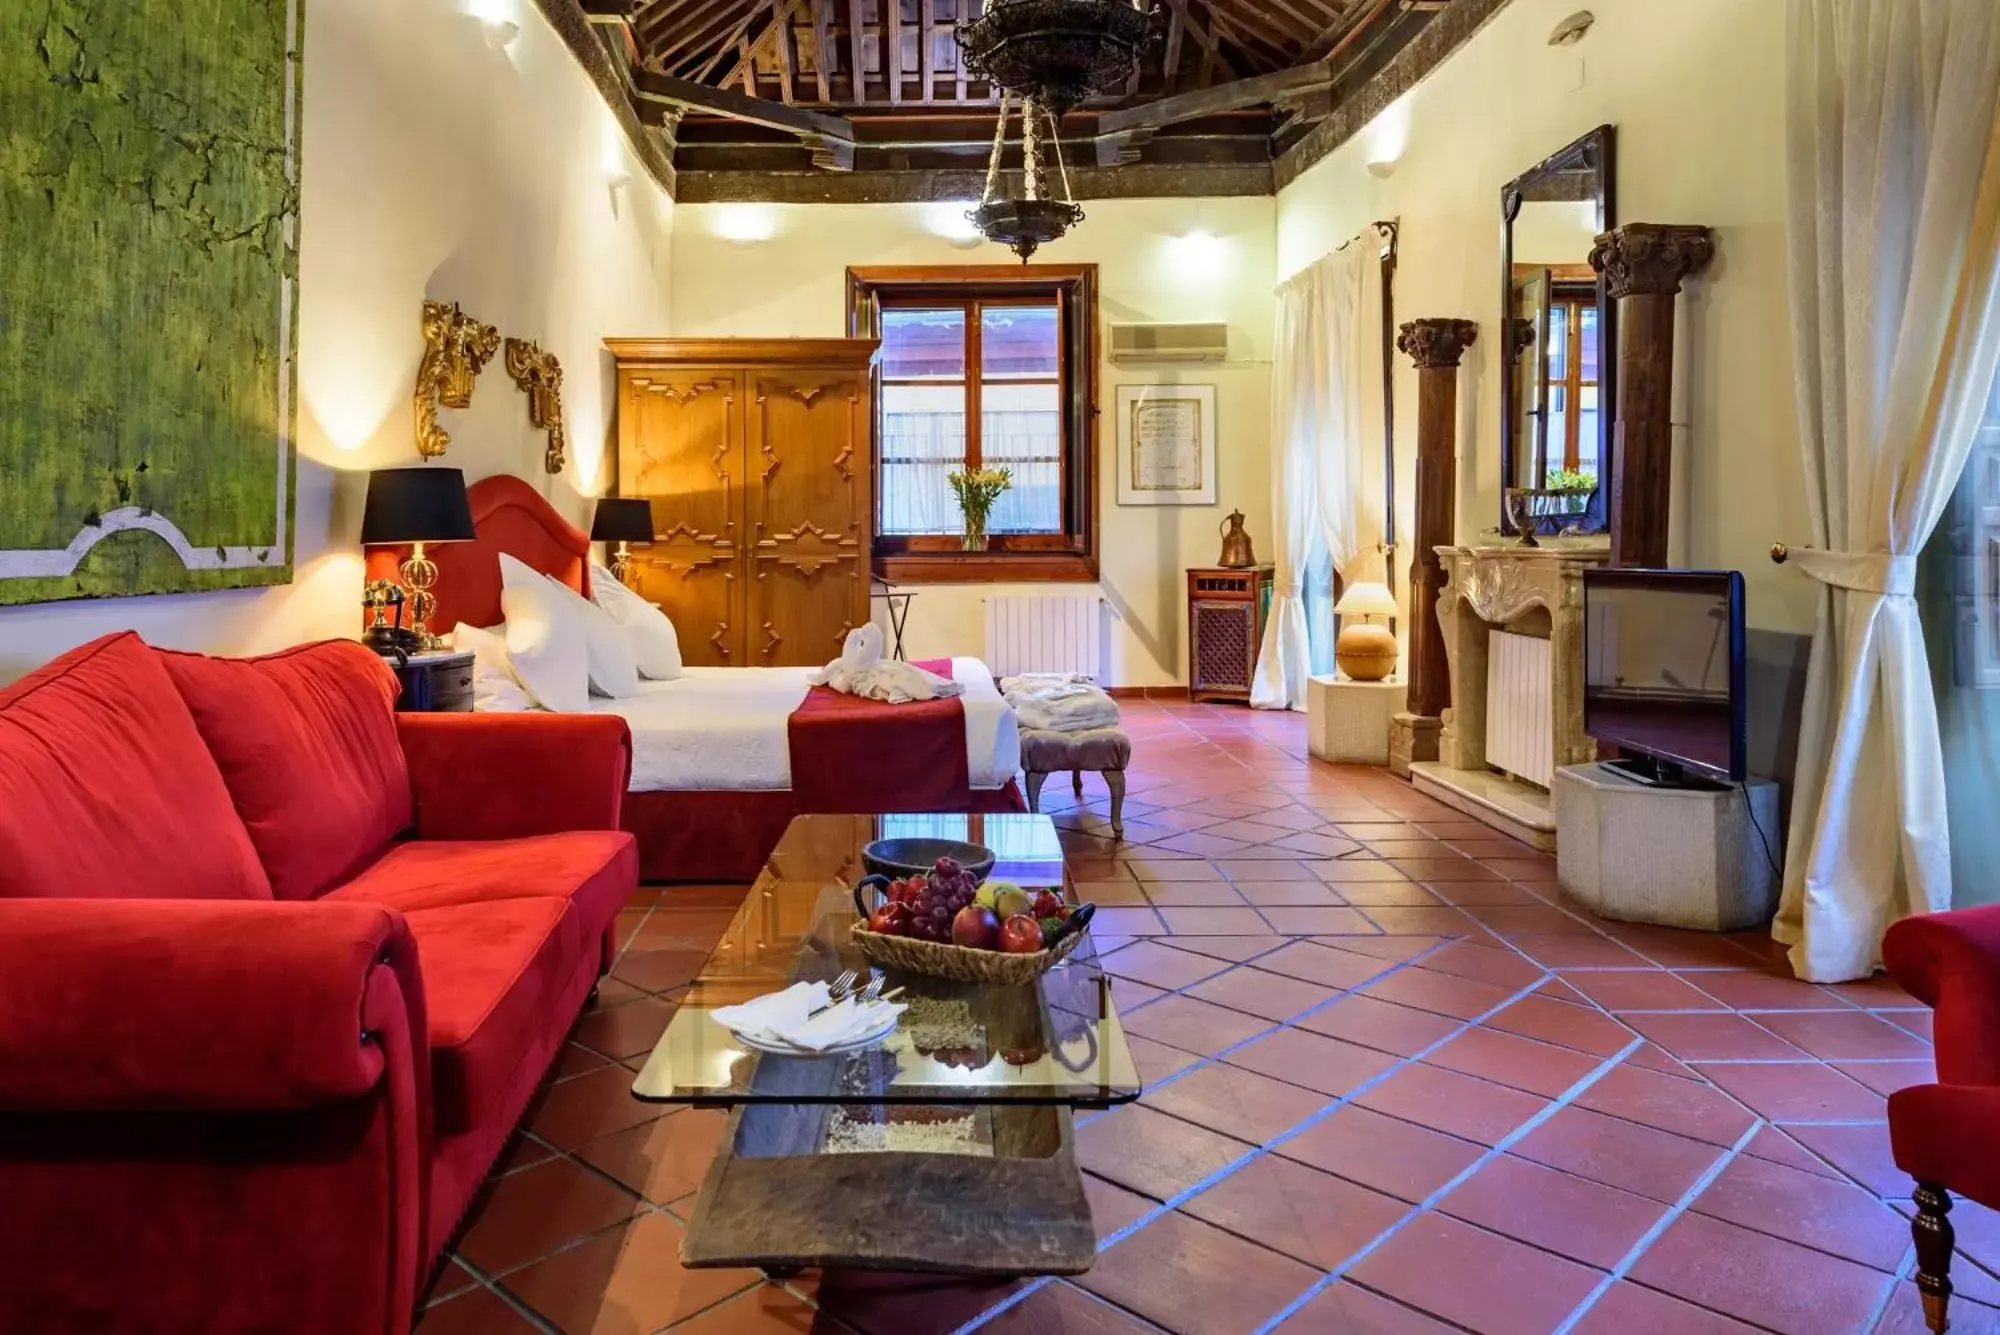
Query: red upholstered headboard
point(512, 517)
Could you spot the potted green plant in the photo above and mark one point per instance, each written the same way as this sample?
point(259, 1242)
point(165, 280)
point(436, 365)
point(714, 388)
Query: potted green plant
point(977, 489)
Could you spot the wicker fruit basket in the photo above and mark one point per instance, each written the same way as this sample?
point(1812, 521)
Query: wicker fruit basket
point(992, 968)
point(960, 964)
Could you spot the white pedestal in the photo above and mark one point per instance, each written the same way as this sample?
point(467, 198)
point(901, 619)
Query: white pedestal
point(1348, 721)
point(1678, 857)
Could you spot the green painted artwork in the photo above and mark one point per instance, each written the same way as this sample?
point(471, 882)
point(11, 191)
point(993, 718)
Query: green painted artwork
point(149, 166)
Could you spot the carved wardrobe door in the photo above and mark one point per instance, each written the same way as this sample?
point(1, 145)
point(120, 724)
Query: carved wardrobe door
point(755, 454)
point(806, 513)
point(680, 435)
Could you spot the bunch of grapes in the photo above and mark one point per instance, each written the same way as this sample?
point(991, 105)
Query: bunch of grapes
point(947, 889)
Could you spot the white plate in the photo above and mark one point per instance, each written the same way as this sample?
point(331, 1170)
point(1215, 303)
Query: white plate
point(859, 1044)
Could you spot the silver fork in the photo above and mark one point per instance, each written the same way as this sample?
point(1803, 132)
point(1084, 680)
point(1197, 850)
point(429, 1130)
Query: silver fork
point(840, 987)
point(844, 988)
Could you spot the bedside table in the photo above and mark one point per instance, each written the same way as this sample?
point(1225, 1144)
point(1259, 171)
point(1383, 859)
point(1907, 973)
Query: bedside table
point(439, 682)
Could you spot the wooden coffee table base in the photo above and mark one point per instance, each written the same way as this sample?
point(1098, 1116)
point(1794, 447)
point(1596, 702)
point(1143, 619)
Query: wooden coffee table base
point(775, 1199)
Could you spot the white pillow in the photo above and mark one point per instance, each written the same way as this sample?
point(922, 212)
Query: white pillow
point(495, 688)
point(613, 670)
point(651, 635)
point(545, 641)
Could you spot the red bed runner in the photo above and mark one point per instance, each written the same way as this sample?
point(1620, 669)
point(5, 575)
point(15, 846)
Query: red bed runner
point(856, 755)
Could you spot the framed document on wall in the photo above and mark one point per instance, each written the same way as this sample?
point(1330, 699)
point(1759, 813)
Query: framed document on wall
point(1166, 445)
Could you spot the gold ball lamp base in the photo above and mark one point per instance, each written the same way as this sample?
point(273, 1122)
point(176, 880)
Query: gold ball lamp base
point(1365, 652)
point(420, 575)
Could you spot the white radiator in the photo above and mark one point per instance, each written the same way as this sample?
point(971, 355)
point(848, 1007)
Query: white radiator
point(1045, 633)
point(1519, 738)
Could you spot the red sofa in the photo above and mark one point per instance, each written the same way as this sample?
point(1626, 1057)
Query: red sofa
point(1943, 1134)
point(279, 971)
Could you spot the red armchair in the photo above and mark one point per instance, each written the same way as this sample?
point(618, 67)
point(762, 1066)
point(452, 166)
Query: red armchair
point(1943, 1133)
point(279, 972)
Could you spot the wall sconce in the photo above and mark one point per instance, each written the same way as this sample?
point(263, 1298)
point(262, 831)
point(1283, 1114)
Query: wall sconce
point(1382, 171)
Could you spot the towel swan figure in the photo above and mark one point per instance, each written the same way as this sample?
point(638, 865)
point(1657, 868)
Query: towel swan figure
point(861, 670)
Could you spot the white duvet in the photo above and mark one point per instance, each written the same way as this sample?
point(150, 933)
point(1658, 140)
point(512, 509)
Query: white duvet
point(729, 728)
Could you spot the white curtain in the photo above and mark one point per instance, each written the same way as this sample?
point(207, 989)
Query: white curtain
point(1894, 183)
point(1319, 499)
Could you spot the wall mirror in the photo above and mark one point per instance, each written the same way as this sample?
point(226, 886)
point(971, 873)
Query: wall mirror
point(1556, 392)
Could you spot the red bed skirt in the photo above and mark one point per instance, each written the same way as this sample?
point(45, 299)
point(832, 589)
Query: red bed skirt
point(723, 837)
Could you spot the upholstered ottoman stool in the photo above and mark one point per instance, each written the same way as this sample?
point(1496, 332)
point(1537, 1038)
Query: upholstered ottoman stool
point(1106, 750)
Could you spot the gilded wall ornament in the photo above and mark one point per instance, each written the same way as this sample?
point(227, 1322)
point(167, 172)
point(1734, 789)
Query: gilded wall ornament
point(456, 349)
point(539, 375)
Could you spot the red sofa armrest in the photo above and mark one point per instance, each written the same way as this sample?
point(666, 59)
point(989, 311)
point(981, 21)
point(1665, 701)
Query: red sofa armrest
point(508, 776)
point(1951, 963)
point(213, 1005)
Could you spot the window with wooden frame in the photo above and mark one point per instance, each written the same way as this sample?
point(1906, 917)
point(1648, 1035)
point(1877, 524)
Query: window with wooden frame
point(983, 366)
point(1571, 371)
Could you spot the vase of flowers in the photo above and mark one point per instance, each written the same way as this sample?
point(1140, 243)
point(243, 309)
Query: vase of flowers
point(977, 489)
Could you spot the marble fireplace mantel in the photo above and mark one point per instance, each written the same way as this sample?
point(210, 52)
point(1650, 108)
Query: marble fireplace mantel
point(1488, 588)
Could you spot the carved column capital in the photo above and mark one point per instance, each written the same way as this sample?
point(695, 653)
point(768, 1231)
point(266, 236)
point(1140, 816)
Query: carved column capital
point(1651, 258)
point(1436, 342)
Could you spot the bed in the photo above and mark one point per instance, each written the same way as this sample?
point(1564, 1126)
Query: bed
point(723, 758)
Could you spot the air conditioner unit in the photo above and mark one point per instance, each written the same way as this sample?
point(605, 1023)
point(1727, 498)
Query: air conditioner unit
point(1169, 342)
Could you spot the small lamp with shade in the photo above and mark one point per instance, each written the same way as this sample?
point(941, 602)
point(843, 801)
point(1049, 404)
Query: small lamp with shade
point(421, 505)
point(623, 520)
point(1366, 649)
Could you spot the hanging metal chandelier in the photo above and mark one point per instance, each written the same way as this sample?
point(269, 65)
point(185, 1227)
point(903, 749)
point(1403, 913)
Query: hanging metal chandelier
point(1030, 221)
point(1059, 52)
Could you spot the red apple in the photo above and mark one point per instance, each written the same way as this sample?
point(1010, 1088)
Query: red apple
point(890, 920)
point(1048, 904)
point(1021, 935)
point(975, 928)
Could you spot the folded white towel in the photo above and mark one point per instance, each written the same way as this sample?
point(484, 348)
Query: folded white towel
point(1059, 702)
point(786, 1018)
point(861, 670)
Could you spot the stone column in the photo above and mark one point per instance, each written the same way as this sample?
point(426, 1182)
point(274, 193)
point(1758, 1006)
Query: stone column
point(1643, 265)
point(1436, 346)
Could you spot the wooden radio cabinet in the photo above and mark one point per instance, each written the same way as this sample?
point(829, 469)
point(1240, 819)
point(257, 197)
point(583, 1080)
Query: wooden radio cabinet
point(1227, 609)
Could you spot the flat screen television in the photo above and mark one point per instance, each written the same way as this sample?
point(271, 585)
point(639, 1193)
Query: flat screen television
point(1663, 672)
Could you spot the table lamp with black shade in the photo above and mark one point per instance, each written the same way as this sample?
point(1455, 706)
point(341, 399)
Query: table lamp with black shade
point(623, 520)
point(414, 506)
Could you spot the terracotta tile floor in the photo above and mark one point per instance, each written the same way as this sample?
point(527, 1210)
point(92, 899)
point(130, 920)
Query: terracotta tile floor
point(1396, 1084)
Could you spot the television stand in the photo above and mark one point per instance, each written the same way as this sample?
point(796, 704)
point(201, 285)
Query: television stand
point(1697, 856)
point(1656, 773)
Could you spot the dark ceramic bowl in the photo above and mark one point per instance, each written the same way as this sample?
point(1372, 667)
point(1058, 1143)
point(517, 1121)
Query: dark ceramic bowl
point(913, 857)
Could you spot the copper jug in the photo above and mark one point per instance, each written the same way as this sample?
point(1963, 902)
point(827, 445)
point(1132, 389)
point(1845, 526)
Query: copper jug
point(1236, 553)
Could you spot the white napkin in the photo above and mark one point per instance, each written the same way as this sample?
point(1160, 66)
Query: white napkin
point(782, 1018)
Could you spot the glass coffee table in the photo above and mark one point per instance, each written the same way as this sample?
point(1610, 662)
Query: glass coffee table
point(947, 1148)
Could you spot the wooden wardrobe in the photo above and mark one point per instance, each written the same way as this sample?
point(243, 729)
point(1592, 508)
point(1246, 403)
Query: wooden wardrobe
point(756, 456)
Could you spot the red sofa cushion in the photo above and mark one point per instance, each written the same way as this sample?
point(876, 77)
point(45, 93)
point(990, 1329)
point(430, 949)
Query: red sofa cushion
point(106, 790)
point(307, 743)
point(494, 974)
point(595, 869)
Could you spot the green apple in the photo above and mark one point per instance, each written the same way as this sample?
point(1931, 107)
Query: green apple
point(988, 895)
point(1012, 902)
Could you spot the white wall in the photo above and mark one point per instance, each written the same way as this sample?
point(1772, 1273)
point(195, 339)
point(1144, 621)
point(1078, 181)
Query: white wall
point(1160, 260)
point(1695, 90)
point(433, 166)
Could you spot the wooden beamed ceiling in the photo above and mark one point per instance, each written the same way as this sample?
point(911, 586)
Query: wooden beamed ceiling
point(761, 96)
